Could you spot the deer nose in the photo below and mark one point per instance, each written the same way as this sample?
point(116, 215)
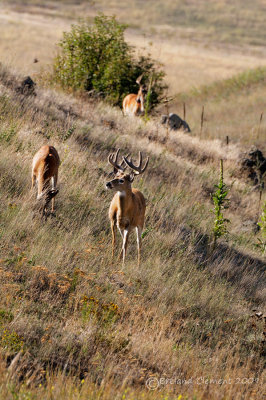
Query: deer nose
point(108, 185)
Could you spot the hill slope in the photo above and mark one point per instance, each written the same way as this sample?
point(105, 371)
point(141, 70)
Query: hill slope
point(67, 309)
point(192, 57)
point(240, 22)
point(233, 107)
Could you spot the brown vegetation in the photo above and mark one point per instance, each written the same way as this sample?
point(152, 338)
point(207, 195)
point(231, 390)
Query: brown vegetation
point(174, 316)
point(73, 322)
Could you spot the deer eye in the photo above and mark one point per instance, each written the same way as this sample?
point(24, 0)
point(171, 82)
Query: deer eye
point(121, 181)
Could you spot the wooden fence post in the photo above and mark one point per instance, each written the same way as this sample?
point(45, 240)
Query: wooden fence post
point(258, 133)
point(201, 120)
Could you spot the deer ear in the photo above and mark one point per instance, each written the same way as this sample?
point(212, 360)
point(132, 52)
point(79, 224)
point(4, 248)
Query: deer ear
point(139, 79)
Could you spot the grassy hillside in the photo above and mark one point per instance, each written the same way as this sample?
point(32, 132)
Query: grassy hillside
point(229, 84)
point(233, 107)
point(239, 22)
point(188, 323)
point(74, 323)
point(191, 57)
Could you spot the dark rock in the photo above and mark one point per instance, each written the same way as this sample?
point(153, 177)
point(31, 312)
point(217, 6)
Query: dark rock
point(253, 166)
point(27, 87)
point(175, 122)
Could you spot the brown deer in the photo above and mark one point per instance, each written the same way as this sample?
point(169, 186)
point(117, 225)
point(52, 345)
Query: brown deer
point(45, 166)
point(127, 209)
point(133, 104)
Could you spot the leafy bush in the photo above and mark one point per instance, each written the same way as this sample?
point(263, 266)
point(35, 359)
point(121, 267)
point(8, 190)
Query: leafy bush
point(220, 202)
point(97, 58)
point(10, 340)
point(104, 313)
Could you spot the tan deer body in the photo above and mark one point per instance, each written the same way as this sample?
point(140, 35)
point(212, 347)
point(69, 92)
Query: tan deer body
point(133, 104)
point(127, 209)
point(45, 166)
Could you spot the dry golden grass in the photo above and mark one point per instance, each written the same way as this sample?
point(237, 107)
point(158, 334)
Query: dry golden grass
point(72, 323)
point(237, 22)
point(187, 64)
point(221, 22)
point(228, 111)
point(184, 314)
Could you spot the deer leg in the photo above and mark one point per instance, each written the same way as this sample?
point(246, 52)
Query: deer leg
point(44, 213)
point(113, 228)
point(33, 181)
point(124, 233)
point(40, 186)
point(138, 231)
point(54, 182)
point(121, 252)
point(125, 243)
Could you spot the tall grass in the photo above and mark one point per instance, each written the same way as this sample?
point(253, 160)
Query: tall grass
point(232, 107)
point(88, 327)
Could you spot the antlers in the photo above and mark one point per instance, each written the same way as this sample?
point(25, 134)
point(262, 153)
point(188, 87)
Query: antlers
point(137, 170)
point(113, 161)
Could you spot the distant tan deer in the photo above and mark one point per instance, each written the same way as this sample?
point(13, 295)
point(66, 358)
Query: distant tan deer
point(45, 166)
point(133, 104)
point(127, 209)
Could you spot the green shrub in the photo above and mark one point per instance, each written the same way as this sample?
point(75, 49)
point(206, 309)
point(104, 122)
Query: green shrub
point(97, 58)
point(261, 245)
point(105, 314)
point(220, 202)
point(10, 340)
point(5, 316)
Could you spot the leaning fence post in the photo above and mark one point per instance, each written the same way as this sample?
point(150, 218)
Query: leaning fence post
point(258, 133)
point(201, 120)
point(167, 121)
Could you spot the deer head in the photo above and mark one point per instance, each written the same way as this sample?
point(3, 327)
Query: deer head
point(141, 94)
point(123, 180)
point(49, 195)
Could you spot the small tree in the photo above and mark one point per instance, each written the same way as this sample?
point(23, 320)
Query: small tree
point(220, 203)
point(96, 57)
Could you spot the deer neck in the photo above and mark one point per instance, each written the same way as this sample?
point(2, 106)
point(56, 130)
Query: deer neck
point(141, 104)
point(125, 199)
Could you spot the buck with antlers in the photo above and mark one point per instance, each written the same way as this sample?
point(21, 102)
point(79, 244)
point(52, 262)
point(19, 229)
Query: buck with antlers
point(133, 104)
point(127, 209)
point(45, 166)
